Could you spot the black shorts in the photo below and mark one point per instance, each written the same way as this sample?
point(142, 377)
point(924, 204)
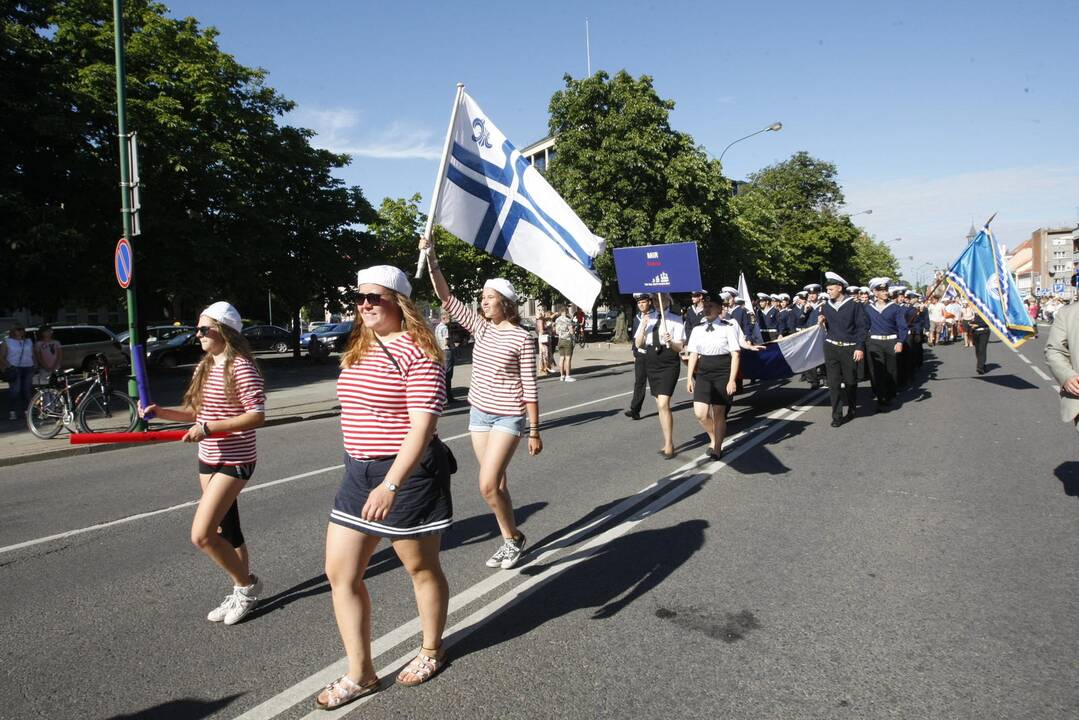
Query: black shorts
point(241, 472)
point(710, 382)
point(423, 505)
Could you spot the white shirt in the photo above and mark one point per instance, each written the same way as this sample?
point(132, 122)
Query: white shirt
point(674, 327)
point(20, 353)
point(724, 338)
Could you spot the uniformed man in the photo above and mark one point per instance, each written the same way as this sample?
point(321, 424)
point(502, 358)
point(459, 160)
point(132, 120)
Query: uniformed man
point(846, 327)
point(887, 332)
point(979, 332)
point(695, 312)
point(767, 314)
point(640, 375)
point(784, 315)
point(903, 360)
point(810, 314)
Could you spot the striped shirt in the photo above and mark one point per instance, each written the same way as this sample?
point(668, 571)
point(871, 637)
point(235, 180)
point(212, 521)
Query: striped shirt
point(375, 398)
point(237, 448)
point(503, 363)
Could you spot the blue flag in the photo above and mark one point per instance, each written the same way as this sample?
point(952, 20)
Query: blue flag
point(981, 276)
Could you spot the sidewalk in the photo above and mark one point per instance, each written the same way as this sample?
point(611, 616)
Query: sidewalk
point(297, 390)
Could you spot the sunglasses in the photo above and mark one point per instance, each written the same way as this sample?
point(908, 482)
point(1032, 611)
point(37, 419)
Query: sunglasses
point(203, 330)
point(372, 299)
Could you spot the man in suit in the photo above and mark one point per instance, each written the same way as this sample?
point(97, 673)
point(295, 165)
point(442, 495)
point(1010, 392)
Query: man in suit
point(1063, 363)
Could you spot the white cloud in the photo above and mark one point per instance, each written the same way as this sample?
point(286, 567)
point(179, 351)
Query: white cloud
point(342, 130)
point(933, 215)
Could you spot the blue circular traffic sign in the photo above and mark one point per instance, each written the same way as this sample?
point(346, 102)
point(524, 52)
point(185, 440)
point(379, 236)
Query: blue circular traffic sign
point(123, 263)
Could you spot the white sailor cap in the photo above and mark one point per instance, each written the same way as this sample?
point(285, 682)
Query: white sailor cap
point(764, 296)
point(501, 286)
point(830, 278)
point(739, 299)
point(642, 296)
point(863, 289)
point(225, 314)
point(775, 296)
point(878, 283)
point(897, 289)
point(784, 296)
point(812, 288)
point(730, 290)
point(702, 291)
point(912, 294)
point(387, 276)
point(802, 294)
point(725, 295)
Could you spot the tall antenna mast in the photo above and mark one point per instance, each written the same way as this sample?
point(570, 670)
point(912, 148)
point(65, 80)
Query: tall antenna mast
point(588, 46)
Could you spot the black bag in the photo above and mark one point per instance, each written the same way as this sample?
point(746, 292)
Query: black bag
point(10, 374)
point(451, 461)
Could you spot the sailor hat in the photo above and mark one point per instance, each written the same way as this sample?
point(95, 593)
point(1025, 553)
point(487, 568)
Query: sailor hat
point(387, 276)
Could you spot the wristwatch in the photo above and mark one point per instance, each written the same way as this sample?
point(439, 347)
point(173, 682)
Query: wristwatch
point(392, 487)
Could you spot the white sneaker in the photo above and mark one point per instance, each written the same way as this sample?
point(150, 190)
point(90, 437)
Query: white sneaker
point(570, 379)
point(219, 612)
point(244, 601)
point(561, 378)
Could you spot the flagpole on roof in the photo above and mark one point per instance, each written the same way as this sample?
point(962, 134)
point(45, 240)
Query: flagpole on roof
point(422, 261)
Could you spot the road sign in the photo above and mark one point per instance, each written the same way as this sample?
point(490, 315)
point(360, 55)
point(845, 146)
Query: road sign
point(123, 263)
point(1058, 287)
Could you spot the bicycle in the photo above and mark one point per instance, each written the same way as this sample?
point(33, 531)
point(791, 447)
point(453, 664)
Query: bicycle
point(96, 407)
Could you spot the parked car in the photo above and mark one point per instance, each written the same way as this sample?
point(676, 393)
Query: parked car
point(182, 349)
point(316, 324)
point(530, 326)
point(156, 333)
point(82, 343)
point(606, 322)
point(268, 337)
point(333, 337)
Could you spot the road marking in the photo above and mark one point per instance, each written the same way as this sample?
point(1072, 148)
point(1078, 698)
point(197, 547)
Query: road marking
point(1041, 373)
point(1023, 357)
point(292, 478)
point(760, 431)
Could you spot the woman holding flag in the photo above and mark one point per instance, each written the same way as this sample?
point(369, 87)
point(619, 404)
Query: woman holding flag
point(226, 396)
point(502, 394)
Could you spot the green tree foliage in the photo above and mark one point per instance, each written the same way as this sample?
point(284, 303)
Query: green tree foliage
point(792, 229)
point(631, 177)
point(228, 193)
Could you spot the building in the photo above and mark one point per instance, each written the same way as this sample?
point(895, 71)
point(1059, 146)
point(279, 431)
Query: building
point(1021, 265)
point(1054, 252)
point(539, 154)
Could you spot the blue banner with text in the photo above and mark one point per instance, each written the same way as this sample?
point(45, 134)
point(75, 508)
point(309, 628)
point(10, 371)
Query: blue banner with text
point(658, 268)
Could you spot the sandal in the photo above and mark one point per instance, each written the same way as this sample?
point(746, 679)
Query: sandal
point(423, 667)
point(342, 691)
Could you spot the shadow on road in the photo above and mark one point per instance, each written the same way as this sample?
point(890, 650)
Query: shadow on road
point(469, 531)
point(186, 709)
point(1013, 382)
point(1068, 475)
point(606, 579)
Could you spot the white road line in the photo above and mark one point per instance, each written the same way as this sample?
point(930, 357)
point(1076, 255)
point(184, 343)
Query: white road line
point(1023, 357)
point(1041, 373)
point(310, 685)
point(141, 516)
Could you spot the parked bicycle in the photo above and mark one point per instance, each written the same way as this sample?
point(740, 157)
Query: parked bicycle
point(87, 405)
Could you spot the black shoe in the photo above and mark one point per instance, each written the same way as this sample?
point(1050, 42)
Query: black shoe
point(836, 422)
point(714, 454)
point(632, 414)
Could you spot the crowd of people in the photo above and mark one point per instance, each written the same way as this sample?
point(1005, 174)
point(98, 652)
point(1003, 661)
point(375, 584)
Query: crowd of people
point(395, 374)
point(21, 359)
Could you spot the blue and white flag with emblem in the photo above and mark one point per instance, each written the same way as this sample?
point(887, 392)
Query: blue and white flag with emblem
point(492, 198)
point(981, 276)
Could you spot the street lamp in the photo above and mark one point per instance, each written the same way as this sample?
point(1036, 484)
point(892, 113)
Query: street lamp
point(863, 212)
point(774, 127)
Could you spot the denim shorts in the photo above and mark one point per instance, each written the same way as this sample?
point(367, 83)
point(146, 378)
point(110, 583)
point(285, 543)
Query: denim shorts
point(480, 421)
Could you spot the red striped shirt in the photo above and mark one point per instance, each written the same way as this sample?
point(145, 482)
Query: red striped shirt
point(375, 398)
point(237, 448)
point(503, 363)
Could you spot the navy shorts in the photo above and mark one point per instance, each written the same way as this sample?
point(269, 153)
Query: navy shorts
point(423, 505)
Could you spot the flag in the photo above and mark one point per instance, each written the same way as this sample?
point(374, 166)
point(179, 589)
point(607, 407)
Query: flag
point(787, 356)
point(743, 291)
point(981, 277)
point(490, 197)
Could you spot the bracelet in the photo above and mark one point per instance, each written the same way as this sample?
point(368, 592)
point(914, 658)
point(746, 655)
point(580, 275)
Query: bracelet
point(206, 429)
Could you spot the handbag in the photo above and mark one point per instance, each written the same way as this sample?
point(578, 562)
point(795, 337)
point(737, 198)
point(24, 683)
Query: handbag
point(451, 461)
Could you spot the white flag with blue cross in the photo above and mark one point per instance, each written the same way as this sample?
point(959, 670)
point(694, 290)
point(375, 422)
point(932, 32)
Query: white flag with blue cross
point(493, 199)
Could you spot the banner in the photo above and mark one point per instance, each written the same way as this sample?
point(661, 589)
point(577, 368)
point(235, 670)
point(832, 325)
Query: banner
point(787, 356)
point(658, 268)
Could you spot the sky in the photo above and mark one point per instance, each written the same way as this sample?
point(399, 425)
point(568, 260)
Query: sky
point(936, 114)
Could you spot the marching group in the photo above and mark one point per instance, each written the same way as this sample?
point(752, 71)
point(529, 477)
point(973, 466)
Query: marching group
point(392, 389)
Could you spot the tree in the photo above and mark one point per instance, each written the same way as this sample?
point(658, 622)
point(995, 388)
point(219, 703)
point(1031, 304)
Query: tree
point(631, 177)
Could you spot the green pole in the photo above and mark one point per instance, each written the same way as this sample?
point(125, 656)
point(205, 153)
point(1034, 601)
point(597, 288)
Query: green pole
point(125, 187)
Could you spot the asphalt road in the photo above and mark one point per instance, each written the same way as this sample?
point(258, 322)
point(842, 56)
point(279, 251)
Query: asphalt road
point(914, 564)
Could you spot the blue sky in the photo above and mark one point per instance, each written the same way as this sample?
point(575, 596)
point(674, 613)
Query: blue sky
point(937, 114)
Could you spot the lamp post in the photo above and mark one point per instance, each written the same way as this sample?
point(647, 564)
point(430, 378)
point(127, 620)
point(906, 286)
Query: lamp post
point(862, 212)
point(774, 127)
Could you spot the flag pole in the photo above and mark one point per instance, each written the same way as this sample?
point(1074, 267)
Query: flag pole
point(422, 260)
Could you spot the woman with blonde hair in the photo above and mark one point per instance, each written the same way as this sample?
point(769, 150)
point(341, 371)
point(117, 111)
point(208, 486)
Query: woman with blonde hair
point(502, 394)
point(226, 399)
point(397, 478)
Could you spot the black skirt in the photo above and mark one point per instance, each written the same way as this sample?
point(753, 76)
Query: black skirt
point(423, 505)
point(710, 381)
point(663, 367)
